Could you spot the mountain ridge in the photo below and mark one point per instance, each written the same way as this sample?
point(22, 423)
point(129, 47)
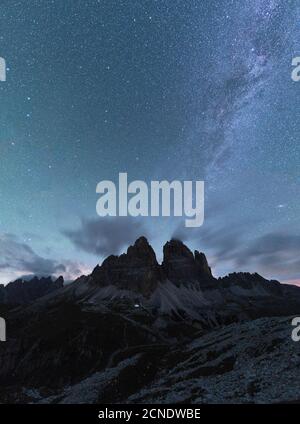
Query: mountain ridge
point(23, 291)
point(138, 331)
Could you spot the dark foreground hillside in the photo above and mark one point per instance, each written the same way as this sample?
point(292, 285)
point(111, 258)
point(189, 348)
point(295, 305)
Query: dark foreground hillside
point(137, 331)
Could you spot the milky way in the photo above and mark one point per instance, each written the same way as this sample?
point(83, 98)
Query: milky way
point(157, 89)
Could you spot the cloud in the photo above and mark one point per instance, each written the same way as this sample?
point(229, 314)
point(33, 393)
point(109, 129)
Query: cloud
point(224, 241)
point(105, 236)
point(275, 243)
point(18, 258)
point(273, 254)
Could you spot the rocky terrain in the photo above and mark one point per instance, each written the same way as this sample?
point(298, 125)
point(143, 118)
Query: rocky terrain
point(25, 291)
point(138, 331)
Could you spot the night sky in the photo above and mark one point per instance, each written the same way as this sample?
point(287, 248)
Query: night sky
point(163, 89)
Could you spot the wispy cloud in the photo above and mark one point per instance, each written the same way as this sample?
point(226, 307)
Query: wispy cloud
point(274, 254)
point(106, 236)
point(18, 258)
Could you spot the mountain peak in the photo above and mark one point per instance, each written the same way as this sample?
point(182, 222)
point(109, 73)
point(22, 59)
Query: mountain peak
point(202, 264)
point(142, 251)
point(141, 241)
point(23, 291)
point(180, 264)
point(138, 269)
point(176, 248)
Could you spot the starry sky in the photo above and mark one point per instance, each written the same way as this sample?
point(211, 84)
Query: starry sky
point(169, 89)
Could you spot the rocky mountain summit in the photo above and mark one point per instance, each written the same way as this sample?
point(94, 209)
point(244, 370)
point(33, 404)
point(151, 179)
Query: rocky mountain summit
point(135, 330)
point(25, 291)
point(183, 285)
point(138, 269)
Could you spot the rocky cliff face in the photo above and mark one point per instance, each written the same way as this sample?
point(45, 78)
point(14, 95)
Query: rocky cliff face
point(139, 331)
point(180, 265)
point(183, 285)
point(138, 269)
point(22, 291)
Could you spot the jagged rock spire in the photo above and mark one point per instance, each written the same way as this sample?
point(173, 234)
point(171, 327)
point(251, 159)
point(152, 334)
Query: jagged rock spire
point(180, 264)
point(138, 269)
